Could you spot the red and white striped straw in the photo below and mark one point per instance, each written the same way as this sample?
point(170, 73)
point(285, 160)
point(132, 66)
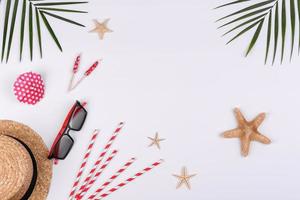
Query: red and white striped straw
point(122, 184)
point(83, 164)
point(112, 178)
point(91, 68)
point(103, 153)
point(86, 74)
point(74, 70)
point(76, 64)
point(90, 180)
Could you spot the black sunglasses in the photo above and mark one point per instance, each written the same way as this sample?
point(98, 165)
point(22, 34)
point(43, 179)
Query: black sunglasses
point(63, 142)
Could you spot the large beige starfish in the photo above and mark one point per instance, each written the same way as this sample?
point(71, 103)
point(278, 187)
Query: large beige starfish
point(155, 141)
point(184, 178)
point(101, 28)
point(247, 131)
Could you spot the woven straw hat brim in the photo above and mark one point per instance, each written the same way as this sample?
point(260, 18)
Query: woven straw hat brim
point(16, 169)
point(40, 152)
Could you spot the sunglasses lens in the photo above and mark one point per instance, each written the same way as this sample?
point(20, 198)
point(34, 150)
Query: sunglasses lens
point(78, 118)
point(63, 147)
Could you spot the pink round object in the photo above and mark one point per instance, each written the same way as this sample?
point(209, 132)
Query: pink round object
point(29, 88)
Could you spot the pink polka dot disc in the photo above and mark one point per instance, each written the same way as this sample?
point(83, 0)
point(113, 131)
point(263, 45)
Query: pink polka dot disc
point(29, 88)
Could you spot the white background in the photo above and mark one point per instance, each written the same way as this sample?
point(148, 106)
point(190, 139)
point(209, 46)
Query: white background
point(165, 68)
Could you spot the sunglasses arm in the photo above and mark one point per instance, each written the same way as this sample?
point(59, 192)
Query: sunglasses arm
point(61, 131)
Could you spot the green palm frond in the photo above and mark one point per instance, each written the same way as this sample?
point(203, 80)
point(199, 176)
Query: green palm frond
point(277, 17)
point(33, 14)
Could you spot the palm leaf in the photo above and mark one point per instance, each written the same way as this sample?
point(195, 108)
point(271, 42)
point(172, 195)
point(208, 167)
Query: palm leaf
point(61, 10)
point(276, 29)
point(246, 16)
point(255, 14)
point(59, 3)
point(283, 28)
point(22, 28)
point(231, 3)
point(298, 5)
point(12, 26)
point(258, 5)
point(50, 30)
point(62, 18)
point(245, 23)
point(31, 13)
point(292, 15)
point(7, 11)
point(38, 27)
point(30, 31)
point(268, 36)
point(255, 36)
point(243, 31)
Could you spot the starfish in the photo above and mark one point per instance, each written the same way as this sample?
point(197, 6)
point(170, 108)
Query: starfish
point(184, 178)
point(156, 141)
point(247, 131)
point(101, 28)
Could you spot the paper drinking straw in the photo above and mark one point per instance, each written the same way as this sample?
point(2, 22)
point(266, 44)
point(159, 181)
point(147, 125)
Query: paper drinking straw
point(83, 164)
point(103, 153)
point(112, 178)
point(122, 184)
point(90, 180)
point(74, 70)
point(86, 74)
point(91, 69)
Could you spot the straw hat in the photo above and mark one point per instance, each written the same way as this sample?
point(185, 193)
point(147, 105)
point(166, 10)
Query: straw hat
point(25, 170)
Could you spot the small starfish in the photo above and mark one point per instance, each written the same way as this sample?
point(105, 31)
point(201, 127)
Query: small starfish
point(101, 28)
point(156, 141)
point(247, 131)
point(184, 178)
